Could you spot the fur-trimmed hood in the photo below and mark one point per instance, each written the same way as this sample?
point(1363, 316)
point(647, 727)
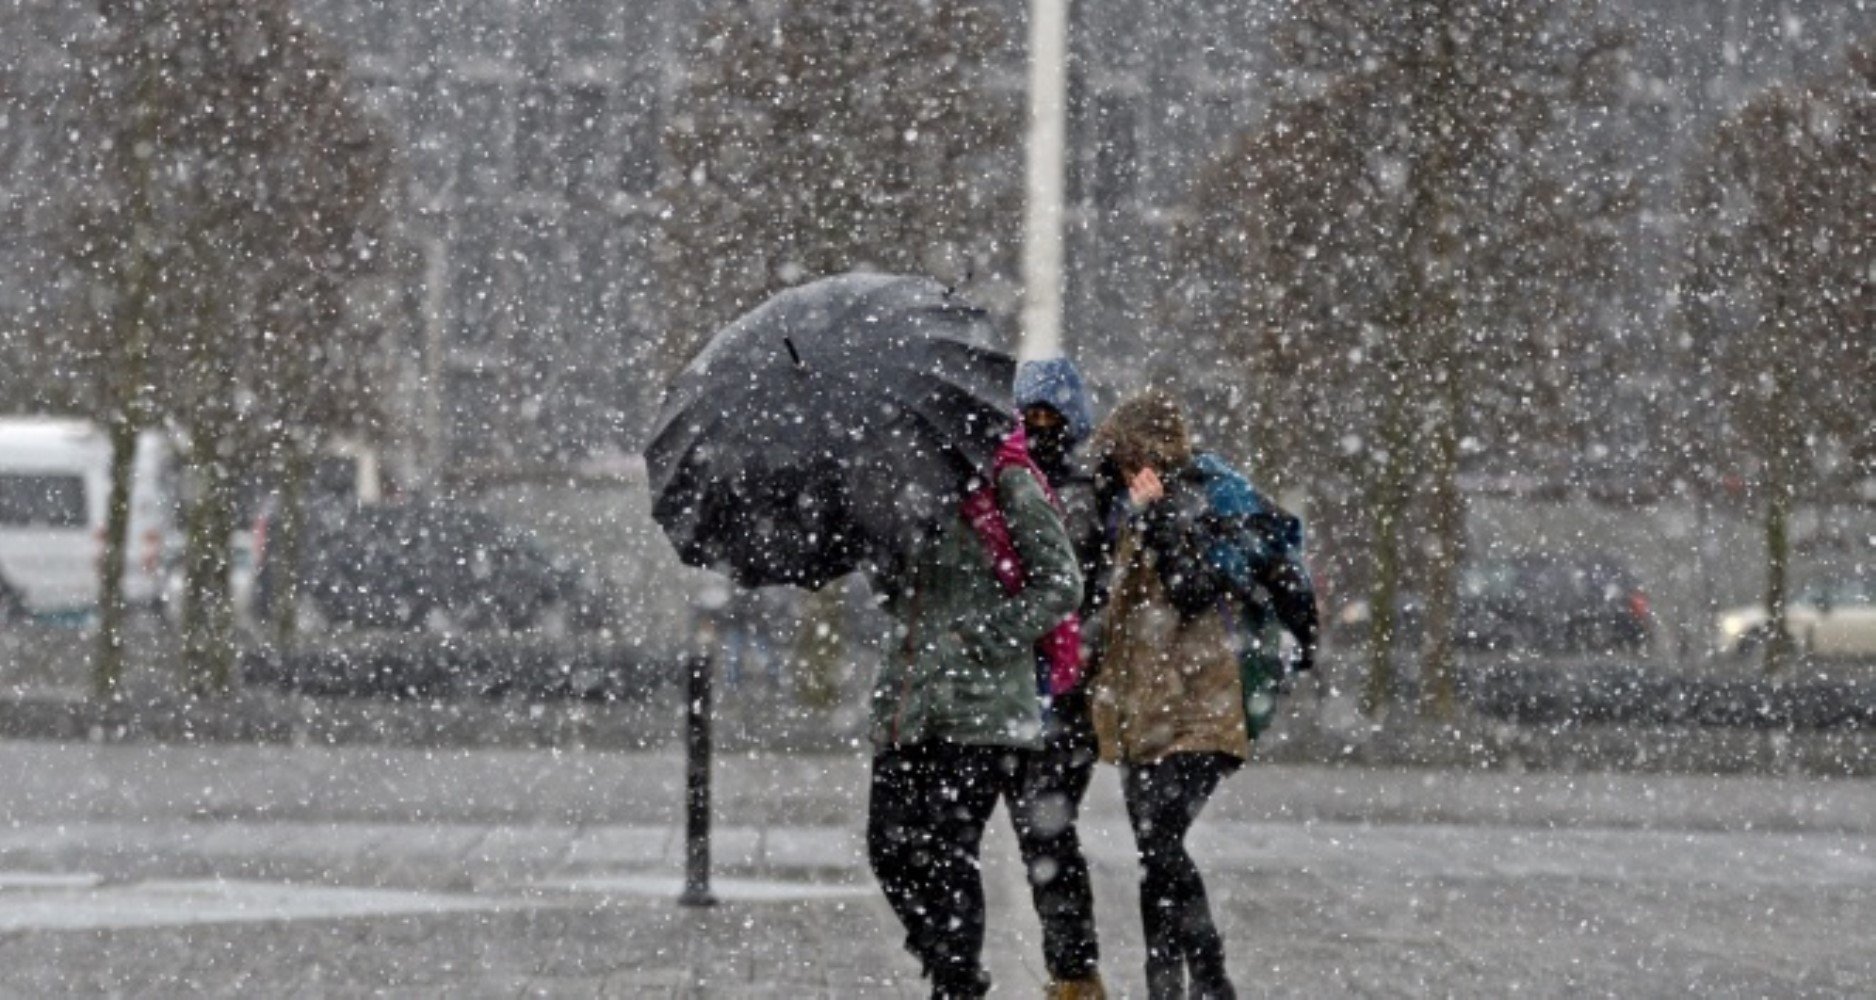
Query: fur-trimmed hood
point(1147, 430)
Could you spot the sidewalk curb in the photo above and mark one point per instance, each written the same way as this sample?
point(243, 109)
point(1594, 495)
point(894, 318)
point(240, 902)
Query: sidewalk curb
point(273, 717)
point(1311, 731)
point(1315, 732)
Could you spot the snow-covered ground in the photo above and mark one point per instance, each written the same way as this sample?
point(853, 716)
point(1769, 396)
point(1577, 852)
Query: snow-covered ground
point(340, 871)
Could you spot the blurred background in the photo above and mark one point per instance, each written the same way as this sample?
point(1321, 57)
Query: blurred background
point(1553, 320)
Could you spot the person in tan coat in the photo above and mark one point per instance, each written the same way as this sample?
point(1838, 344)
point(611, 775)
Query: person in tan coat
point(1168, 703)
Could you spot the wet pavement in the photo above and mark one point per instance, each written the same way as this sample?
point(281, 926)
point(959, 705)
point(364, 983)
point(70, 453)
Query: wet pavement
point(157, 870)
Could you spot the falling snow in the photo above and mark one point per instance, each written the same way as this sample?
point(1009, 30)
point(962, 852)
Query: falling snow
point(438, 437)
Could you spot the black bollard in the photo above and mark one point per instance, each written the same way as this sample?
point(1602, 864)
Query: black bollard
point(697, 787)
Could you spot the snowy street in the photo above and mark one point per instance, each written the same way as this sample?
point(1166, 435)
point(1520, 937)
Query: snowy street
point(265, 870)
point(1426, 445)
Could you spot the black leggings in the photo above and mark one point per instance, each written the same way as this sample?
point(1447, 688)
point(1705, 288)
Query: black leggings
point(925, 825)
point(1055, 780)
point(1163, 799)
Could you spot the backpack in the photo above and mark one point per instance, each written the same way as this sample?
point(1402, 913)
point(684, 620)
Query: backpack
point(1058, 653)
point(1247, 535)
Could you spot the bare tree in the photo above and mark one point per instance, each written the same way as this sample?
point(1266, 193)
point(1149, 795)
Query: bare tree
point(316, 356)
point(118, 238)
point(234, 191)
point(831, 135)
point(1780, 296)
point(1394, 250)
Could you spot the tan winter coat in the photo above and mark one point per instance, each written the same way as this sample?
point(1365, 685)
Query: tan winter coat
point(1163, 687)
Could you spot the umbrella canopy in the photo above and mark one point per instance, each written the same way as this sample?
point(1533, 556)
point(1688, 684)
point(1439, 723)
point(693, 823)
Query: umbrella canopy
point(825, 427)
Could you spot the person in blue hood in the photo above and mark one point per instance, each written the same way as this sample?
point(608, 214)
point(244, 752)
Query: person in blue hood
point(1055, 412)
point(1057, 418)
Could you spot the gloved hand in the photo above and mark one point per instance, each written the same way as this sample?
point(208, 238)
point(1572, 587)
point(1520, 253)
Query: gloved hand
point(1305, 659)
point(1158, 525)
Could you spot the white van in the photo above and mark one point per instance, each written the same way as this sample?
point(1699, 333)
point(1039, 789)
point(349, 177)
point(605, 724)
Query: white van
point(54, 491)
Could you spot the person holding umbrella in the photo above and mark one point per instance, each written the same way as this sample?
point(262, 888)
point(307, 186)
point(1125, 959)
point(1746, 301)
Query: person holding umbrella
point(955, 713)
point(865, 423)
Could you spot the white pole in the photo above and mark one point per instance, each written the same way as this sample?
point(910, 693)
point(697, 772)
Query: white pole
point(435, 306)
point(1042, 224)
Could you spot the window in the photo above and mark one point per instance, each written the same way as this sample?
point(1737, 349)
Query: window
point(378, 26)
point(481, 127)
point(539, 31)
point(42, 501)
point(430, 162)
point(13, 149)
point(485, 28)
point(589, 26)
point(428, 27)
point(537, 139)
point(544, 301)
point(475, 415)
point(582, 130)
point(596, 276)
point(475, 278)
point(390, 102)
point(1226, 117)
point(1116, 151)
point(1078, 161)
point(617, 266)
point(638, 139)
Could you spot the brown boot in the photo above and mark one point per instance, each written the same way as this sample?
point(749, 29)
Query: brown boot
point(1090, 988)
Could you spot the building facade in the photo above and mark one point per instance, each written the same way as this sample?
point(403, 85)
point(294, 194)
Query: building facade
point(530, 130)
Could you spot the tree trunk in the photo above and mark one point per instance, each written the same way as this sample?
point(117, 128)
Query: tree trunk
point(123, 380)
point(1437, 313)
point(1439, 695)
point(1386, 509)
point(108, 665)
point(1778, 500)
point(285, 539)
point(208, 625)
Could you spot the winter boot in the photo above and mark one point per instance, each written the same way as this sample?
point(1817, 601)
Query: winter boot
point(1088, 988)
point(1165, 980)
point(952, 985)
point(1212, 987)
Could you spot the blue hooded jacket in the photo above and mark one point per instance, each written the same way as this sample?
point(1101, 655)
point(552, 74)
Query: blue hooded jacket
point(1056, 383)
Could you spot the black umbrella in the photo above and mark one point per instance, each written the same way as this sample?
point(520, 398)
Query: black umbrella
point(826, 426)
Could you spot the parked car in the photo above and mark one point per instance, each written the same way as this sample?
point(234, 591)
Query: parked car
point(1829, 617)
point(1547, 603)
point(434, 567)
point(54, 495)
point(1575, 603)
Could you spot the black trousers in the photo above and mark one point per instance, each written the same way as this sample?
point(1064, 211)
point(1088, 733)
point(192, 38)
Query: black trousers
point(926, 813)
point(1044, 812)
point(1163, 799)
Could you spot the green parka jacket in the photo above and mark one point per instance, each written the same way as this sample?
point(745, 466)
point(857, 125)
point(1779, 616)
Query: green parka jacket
point(960, 663)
